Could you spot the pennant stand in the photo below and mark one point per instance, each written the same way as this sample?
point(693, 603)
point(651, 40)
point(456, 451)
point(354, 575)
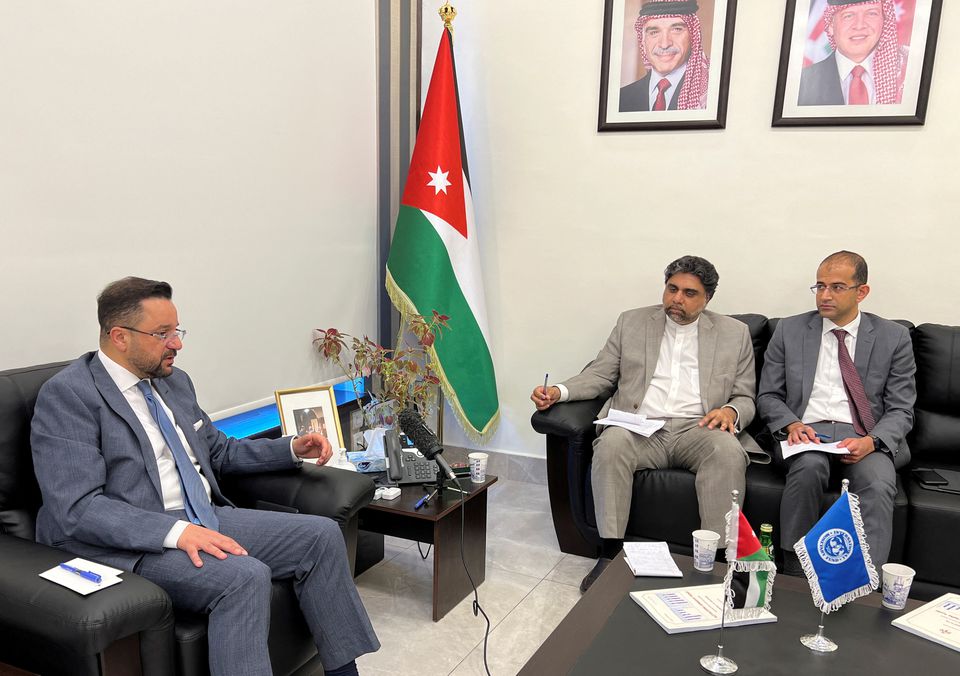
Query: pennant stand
point(818, 642)
point(719, 663)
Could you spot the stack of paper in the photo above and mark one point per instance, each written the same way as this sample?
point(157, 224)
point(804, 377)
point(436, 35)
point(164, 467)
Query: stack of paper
point(635, 422)
point(108, 576)
point(787, 450)
point(691, 608)
point(650, 559)
point(937, 621)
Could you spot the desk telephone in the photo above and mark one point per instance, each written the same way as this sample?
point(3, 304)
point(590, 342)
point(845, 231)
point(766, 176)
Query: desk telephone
point(405, 464)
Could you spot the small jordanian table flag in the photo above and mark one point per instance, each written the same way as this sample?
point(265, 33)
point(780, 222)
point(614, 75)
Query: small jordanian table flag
point(434, 262)
point(835, 555)
point(750, 572)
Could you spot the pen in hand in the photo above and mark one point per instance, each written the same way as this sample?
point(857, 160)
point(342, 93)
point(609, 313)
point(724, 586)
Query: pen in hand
point(824, 437)
point(546, 379)
point(85, 574)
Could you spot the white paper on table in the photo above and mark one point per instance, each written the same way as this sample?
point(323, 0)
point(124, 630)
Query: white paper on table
point(108, 576)
point(789, 450)
point(634, 422)
point(650, 559)
point(937, 621)
point(691, 608)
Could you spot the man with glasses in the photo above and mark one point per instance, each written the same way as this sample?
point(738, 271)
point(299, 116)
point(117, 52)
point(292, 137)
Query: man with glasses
point(128, 465)
point(845, 377)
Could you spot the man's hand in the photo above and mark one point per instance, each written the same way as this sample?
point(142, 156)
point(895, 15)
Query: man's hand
point(798, 433)
point(195, 539)
point(545, 398)
point(857, 449)
point(724, 418)
point(313, 446)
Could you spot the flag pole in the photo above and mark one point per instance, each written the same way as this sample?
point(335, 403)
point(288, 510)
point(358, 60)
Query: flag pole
point(719, 664)
point(818, 642)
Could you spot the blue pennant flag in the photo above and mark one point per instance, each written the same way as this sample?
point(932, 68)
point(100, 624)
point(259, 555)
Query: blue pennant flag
point(835, 556)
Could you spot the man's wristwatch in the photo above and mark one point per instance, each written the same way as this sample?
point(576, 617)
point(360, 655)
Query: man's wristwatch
point(877, 443)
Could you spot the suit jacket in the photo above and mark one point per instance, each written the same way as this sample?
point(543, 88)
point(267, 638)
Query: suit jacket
point(625, 366)
point(884, 360)
point(636, 95)
point(820, 84)
point(97, 471)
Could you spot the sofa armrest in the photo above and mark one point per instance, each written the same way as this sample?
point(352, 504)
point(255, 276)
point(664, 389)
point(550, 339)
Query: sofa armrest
point(322, 491)
point(567, 419)
point(48, 624)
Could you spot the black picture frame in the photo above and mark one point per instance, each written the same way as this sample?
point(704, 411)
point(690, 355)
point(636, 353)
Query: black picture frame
point(617, 61)
point(917, 73)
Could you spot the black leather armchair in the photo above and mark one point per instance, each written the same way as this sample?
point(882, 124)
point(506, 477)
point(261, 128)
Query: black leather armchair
point(132, 628)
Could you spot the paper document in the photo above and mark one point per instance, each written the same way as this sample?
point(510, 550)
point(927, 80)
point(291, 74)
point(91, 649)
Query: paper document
point(789, 450)
point(691, 608)
point(650, 559)
point(937, 621)
point(635, 422)
point(108, 576)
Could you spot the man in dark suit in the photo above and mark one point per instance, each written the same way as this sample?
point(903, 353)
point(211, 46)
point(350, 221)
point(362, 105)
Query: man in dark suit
point(682, 364)
point(866, 64)
point(671, 47)
point(128, 466)
point(842, 376)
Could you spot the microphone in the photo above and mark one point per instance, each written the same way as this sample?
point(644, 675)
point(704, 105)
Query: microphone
point(426, 441)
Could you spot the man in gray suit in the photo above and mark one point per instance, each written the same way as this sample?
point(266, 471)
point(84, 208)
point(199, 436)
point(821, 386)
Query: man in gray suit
point(843, 376)
point(682, 364)
point(128, 466)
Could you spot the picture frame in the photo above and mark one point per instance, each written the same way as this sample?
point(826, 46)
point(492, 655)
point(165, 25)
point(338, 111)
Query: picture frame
point(819, 43)
point(630, 96)
point(310, 409)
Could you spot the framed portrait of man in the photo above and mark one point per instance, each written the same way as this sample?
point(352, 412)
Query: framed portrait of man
point(856, 62)
point(665, 64)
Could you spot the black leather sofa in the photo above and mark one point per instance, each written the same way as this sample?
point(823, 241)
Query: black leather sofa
point(132, 628)
point(664, 506)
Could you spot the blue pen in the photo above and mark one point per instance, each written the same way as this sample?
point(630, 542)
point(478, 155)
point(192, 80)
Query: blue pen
point(85, 574)
point(824, 437)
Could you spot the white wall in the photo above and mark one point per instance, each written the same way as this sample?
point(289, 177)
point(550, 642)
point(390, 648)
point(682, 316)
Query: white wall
point(226, 146)
point(577, 226)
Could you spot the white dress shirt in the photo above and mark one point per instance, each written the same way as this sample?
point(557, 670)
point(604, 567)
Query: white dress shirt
point(674, 390)
point(674, 77)
point(845, 69)
point(828, 398)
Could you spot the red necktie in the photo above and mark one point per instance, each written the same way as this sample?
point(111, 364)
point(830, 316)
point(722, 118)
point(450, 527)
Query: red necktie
point(661, 102)
point(858, 88)
point(860, 411)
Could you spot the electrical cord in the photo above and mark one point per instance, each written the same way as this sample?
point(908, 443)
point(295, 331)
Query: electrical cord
point(422, 554)
point(476, 597)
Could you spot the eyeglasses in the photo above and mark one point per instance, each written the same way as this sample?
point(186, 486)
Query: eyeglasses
point(163, 337)
point(834, 288)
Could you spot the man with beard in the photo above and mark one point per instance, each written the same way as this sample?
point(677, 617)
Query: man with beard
point(682, 364)
point(846, 377)
point(672, 50)
point(128, 465)
point(866, 66)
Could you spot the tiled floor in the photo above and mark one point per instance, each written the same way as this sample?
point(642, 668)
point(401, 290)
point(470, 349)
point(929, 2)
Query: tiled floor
point(531, 585)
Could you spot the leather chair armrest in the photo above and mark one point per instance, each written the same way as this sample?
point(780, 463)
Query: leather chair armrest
point(45, 620)
point(567, 419)
point(322, 491)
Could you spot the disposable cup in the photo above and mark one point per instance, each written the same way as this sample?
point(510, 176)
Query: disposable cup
point(897, 579)
point(478, 467)
point(704, 549)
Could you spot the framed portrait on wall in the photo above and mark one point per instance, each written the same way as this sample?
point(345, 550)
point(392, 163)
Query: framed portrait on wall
point(665, 64)
point(856, 62)
point(310, 409)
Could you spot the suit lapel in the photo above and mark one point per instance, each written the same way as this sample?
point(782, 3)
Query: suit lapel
point(707, 337)
point(811, 354)
point(865, 340)
point(652, 340)
point(116, 401)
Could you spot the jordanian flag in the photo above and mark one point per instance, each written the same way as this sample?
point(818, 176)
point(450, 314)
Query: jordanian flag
point(750, 571)
point(434, 262)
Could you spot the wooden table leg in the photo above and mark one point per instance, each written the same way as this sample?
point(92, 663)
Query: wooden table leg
point(450, 582)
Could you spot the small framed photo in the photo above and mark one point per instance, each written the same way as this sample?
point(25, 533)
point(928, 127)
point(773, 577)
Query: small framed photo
point(310, 409)
point(665, 64)
point(856, 62)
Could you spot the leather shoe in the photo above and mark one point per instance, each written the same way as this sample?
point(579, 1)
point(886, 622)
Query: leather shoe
point(592, 576)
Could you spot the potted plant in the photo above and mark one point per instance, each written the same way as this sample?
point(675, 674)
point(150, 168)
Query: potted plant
point(400, 377)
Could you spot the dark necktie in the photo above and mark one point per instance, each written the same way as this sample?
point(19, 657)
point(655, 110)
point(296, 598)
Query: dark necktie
point(662, 87)
point(860, 411)
point(195, 500)
point(858, 88)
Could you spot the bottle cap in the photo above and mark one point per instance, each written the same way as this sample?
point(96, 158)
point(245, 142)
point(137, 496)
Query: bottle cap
point(766, 528)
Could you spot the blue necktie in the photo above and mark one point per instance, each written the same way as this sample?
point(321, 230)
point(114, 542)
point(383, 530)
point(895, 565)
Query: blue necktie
point(195, 500)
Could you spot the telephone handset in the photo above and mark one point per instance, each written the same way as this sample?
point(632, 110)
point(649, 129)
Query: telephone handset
point(407, 466)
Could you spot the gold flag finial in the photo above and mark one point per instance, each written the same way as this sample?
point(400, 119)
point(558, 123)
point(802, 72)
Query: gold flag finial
point(448, 14)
